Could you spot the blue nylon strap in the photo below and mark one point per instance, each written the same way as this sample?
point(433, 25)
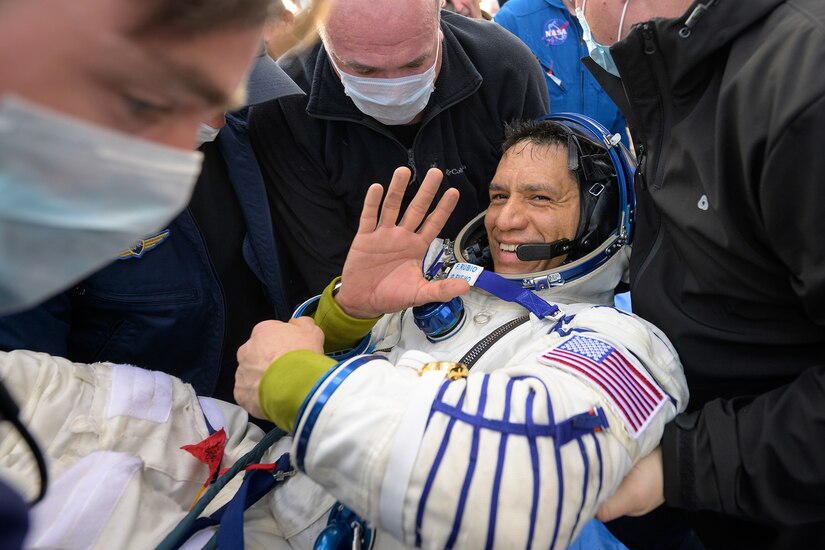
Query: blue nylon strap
point(585, 478)
point(580, 424)
point(502, 447)
point(534, 462)
point(499, 426)
point(468, 476)
point(184, 529)
point(256, 484)
point(510, 291)
point(428, 484)
point(601, 465)
point(574, 428)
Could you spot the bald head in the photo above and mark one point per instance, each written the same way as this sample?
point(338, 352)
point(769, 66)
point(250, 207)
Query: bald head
point(382, 38)
point(374, 16)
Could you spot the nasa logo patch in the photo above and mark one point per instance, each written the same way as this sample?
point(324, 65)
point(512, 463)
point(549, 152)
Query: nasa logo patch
point(556, 32)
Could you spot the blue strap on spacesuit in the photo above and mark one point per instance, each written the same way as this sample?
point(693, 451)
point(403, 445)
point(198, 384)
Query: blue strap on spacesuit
point(229, 517)
point(505, 289)
point(184, 529)
point(255, 485)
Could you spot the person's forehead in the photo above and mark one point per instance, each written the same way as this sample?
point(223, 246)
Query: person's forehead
point(526, 155)
point(526, 167)
point(381, 31)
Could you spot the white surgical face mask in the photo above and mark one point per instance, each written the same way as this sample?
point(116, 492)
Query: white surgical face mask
point(73, 194)
point(390, 101)
point(206, 133)
point(599, 53)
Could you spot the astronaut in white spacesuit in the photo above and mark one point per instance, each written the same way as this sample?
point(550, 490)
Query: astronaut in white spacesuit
point(500, 418)
point(503, 417)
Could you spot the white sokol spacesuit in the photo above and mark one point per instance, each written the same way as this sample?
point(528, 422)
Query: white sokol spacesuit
point(563, 395)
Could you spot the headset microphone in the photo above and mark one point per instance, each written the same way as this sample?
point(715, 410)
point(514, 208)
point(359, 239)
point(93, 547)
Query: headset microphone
point(543, 251)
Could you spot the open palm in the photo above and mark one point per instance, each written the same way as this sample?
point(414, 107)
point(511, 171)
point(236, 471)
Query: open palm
point(382, 273)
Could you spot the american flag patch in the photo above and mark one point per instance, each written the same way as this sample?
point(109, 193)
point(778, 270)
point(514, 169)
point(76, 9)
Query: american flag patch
point(631, 390)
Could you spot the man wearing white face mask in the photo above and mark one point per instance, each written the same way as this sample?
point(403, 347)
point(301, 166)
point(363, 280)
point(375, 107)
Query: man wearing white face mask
point(391, 84)
point(96, 128)
point(214, 271)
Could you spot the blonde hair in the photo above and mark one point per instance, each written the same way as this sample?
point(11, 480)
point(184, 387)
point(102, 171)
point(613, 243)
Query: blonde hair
point(304, 32)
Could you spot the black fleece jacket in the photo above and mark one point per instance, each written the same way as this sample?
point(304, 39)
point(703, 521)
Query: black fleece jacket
point(728, 118)
point(319, 153)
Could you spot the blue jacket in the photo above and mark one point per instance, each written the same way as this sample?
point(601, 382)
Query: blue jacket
point(163, 307)
point(554, 36)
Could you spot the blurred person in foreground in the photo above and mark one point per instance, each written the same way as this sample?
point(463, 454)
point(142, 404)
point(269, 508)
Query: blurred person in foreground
point(181, 299)
point(97, 126)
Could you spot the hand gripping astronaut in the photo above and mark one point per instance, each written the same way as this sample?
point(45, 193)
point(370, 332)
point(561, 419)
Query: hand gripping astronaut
point(506, 416)
point(501, 418)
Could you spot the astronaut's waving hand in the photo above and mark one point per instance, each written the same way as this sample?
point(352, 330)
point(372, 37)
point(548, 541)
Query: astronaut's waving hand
point(382, 273)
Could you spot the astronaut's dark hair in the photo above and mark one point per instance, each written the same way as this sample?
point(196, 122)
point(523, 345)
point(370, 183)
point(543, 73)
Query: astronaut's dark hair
point(545, 133)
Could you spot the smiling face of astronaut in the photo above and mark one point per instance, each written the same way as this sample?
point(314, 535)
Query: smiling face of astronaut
point(534, 198)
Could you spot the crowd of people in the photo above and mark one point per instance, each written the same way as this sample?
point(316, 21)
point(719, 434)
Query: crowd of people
point(195, 252)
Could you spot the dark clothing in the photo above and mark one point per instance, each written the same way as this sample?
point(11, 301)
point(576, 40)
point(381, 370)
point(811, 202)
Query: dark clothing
point(728, 118)
point(14, 518)
point(319, 153)
point(185, 303)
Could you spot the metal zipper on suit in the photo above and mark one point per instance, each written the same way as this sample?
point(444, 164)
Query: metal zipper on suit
point(656, 63)
point(411, 150)
point(657, 244)
point(647, 35)
point(582, 68)
point(650, 49)
point(641, 158)
point(487, 342)
point(411, 161)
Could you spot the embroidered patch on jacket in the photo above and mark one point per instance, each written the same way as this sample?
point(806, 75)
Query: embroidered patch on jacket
point(143, 246)
point(555, 32)
point(629, 388)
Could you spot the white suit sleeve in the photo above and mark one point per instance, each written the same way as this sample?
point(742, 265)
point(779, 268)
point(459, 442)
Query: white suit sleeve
point(521, 455)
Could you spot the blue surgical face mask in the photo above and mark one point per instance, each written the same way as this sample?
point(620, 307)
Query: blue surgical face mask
point(73, 195)
point(599, 53)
